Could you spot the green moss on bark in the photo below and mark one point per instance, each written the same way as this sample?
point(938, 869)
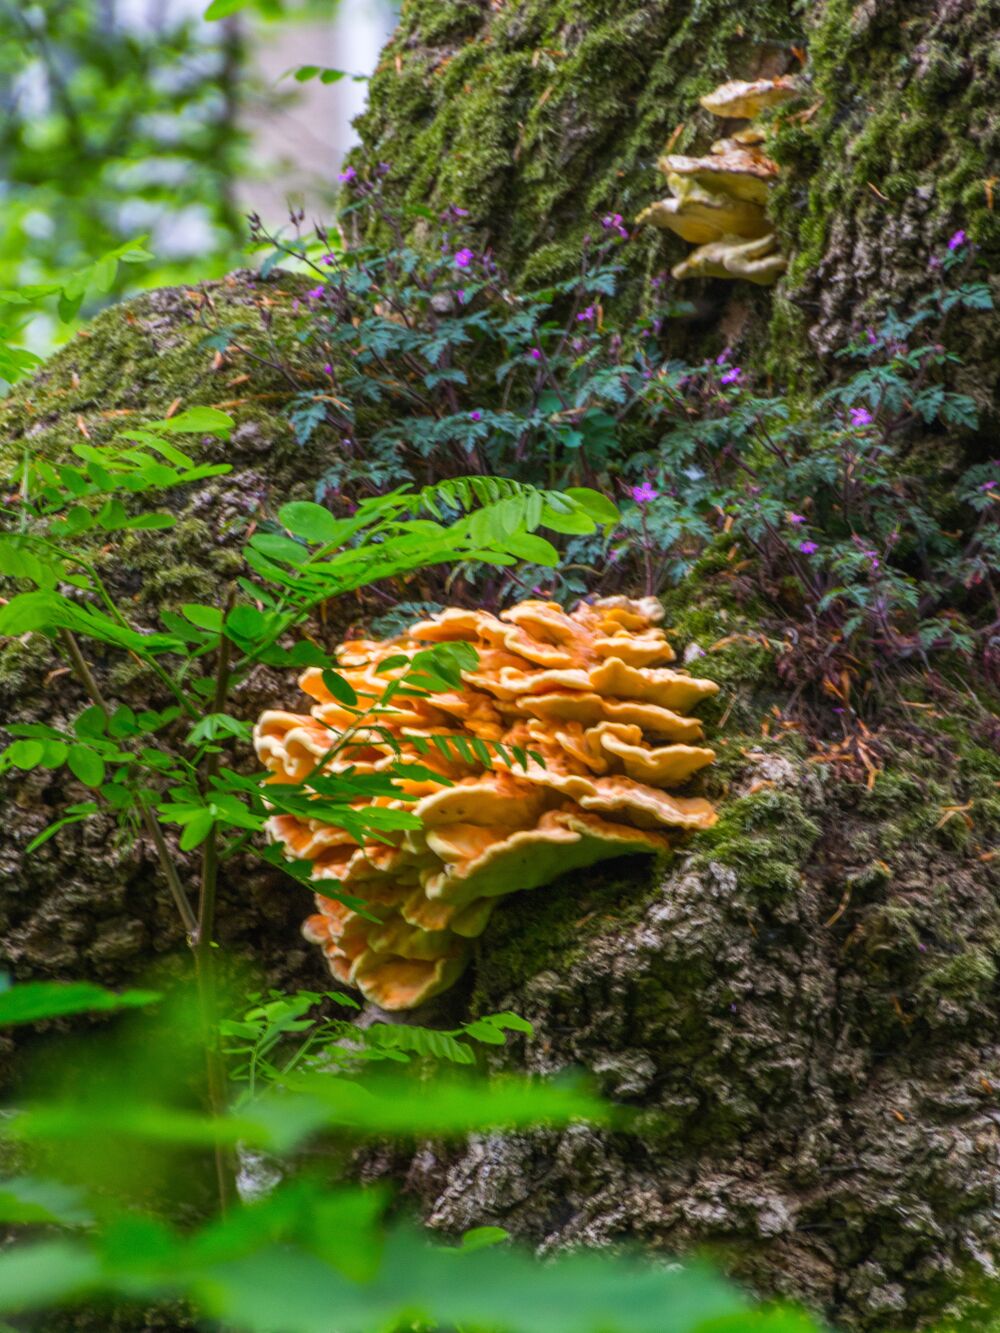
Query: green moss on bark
point(539, 116)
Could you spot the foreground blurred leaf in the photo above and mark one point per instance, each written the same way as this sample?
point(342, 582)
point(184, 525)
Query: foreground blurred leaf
point(32, 1001)
point(278, 1122)
point(450, 1106)
point(45, 1274)
point(26, 1200)
point(287, 1290)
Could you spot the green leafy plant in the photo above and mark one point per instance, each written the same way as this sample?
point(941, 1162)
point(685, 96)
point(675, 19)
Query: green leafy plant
point(112, 124)
point(432, 360)
point(165, 767)
point(96, 1214)
point(66, 293)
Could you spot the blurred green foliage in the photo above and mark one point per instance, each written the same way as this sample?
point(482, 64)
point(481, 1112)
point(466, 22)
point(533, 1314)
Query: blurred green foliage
point(111, 127)
point(109, 1167)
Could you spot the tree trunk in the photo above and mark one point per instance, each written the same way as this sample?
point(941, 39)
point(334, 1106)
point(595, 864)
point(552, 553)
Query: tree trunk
point(800, 1010)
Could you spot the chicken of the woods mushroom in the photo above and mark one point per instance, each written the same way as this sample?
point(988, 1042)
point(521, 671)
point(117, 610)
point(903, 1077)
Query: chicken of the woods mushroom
point(718, 202)
point(601, 723)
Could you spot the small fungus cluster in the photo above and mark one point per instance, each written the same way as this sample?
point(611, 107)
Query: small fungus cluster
point(600, 722)
point(718, 201)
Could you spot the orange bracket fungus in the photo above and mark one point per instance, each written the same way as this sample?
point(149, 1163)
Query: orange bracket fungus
point(559, 750)
point(717, 202)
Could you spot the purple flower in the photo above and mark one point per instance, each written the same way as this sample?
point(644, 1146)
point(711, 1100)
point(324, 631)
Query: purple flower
point(732, 375)
point(956, 240)
point(860, 416)
point(723, 356)
point(348, 174)
point(585, 314)
point(796, 518)
point(464, 257)
point(384, 168)
point(315, 293)
point(872, 339)
point(535, 353)
point(460, 295)
point(613, 222)
point(330, 259)
point(328, 369)
point(476, 415)
point(808, 548)
point(644, 493)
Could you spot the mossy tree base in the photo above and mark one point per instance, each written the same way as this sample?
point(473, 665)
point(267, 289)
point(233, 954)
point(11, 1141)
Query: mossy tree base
point(801, 1008)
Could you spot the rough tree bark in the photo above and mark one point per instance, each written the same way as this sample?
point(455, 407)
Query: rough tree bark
point(801, 1008)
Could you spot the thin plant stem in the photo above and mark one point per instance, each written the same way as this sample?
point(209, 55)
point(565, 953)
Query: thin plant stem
point(203, 943)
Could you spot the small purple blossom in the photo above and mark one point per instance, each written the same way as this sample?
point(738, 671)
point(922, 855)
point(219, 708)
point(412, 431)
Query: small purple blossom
point(328, 369)
point(476, 415)
point(644, 493)
point(329, 260)
point(348, 174)
point(871, 336)
point(860, 416)
point(732, 375)
point(535, 353)
point(464, 257)
point(585, 315)
point(460, 295)
point(956, 240)
point(796, 518)
point(723, 357)
point(614, 222)
point(316, 293)
point(384, 168)
point(808, 548)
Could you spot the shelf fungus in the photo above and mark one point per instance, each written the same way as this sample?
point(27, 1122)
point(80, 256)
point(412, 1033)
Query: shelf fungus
point(588, 733)
point(718, 202)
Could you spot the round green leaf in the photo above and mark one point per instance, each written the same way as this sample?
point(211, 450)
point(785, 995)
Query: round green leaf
point(26, 754)
point(311, 521)
point(86, 765)
point(205, 617)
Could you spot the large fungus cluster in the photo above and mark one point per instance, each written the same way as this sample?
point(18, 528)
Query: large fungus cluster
point(717, 202)
point(602, 728)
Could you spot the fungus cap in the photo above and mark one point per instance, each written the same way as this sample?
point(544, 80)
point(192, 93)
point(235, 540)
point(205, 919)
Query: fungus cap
point(757, 261)
point(737, 100)
point(599, 722)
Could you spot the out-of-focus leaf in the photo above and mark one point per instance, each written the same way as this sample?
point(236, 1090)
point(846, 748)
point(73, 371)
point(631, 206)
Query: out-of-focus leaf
point(26, 1200)
point(45, 1275)
point(32, 1001)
